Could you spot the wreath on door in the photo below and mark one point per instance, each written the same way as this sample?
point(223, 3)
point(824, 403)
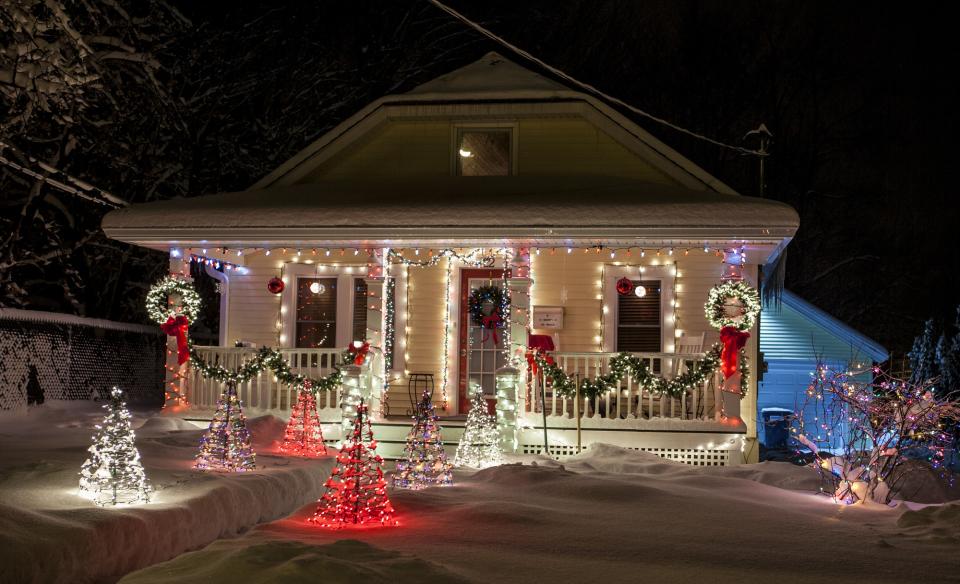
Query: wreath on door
point(488, 306)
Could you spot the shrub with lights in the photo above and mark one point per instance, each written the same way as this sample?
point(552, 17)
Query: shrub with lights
point(424, 463)
point(867, 436)
point(114, 474)
point(356, 490)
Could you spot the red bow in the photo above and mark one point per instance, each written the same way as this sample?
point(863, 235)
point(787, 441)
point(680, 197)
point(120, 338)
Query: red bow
point(359, 352)
point(177, 327)
point(733, 340)
point(490, 324)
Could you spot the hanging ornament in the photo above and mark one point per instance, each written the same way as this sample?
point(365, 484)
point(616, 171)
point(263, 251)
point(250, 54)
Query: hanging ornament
point(640, 291)
point(624, 286)
point(275, 285)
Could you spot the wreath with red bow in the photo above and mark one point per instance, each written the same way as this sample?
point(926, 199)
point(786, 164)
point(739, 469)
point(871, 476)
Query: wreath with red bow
point(488, 307)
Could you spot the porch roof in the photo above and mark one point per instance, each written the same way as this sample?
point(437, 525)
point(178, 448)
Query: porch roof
point(530, 208)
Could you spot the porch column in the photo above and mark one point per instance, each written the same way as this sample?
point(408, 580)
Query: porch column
point(175, 383)
point(508, 381)
point(519, 286)
point(376, 309)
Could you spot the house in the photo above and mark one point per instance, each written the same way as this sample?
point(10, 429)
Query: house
point(489, 178)
point(794, 338)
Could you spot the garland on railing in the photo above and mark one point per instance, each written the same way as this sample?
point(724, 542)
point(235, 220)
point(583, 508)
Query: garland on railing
point(268, 358)
point(625, 364)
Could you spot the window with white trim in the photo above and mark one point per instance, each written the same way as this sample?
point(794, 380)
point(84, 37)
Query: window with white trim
point(641, 321)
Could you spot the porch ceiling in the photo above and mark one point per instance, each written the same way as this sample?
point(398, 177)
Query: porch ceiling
point(467, 210)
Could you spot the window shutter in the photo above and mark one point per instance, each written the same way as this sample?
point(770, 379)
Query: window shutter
point(359, 309)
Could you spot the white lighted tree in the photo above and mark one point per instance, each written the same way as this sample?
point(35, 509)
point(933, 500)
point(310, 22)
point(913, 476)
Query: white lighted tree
point(479, 447)
point(113, 473)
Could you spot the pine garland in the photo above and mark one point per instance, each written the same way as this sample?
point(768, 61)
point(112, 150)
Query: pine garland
point(625, 364)
point(268, 358)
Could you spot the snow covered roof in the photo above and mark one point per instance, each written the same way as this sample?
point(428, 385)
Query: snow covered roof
point(530, 207)
point(800, 330)
point(492, 76)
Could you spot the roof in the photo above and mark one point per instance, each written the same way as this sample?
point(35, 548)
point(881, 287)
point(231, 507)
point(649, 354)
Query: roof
point(492, 78)
point(801, 331)
point(528, 207)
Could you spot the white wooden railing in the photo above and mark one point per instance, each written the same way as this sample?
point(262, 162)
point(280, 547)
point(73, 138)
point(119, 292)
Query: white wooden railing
point(263, 391)
point(631, 402)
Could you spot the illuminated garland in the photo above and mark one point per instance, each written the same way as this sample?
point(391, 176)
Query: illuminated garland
point(716, 311)
point(474, 257)
point(625, 364)
point(159, 308)
point(267, 358)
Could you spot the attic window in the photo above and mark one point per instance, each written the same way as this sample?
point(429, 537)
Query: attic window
point(483, 151)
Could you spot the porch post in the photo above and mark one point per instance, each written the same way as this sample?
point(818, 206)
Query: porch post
point(376, 309)
point(508, 378)
point(350, 395)
point(175, 383)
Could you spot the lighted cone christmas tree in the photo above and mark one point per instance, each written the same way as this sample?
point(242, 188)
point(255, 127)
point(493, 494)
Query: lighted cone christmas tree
point(303, 436)
point(424, 463)
point(225, 446)
point(356, 491)
point(113, 474)
point(479, 447)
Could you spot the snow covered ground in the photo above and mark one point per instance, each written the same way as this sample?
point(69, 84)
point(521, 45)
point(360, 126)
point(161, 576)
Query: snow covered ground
point(50, 534)
point(610, 515)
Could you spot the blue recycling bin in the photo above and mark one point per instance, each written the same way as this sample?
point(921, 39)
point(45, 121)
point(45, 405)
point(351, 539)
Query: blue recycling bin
point(776, 426)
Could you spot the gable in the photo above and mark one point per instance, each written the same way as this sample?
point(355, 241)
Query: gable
point(545, 146)
point(411, 134)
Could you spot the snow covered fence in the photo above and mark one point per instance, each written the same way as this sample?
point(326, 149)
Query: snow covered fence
point(45, 355)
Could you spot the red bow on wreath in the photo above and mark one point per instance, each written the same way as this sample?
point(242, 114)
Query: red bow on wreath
point(177, 327)
point(358, 352)
point(490, 325)
point(733, 340)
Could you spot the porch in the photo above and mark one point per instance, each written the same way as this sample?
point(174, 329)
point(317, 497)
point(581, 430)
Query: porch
point(687, 427)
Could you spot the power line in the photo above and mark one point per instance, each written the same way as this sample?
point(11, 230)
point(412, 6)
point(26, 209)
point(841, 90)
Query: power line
point(587, 86)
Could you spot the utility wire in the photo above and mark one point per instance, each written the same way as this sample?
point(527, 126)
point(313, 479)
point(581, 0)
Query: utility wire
point(587, 86)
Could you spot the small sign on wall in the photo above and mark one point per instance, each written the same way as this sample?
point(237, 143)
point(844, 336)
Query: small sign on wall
point(547, 317)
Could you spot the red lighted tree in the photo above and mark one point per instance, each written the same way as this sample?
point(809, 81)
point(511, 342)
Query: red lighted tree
point(303, 436)
point(356, 491)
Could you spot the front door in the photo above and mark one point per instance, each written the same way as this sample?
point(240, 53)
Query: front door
point(482, 350)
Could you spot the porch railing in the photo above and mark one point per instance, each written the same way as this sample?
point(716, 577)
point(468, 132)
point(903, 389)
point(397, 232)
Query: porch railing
point(263, 391)
point(630, 401)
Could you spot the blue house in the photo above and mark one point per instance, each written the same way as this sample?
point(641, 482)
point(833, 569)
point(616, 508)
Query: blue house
point(792, 339)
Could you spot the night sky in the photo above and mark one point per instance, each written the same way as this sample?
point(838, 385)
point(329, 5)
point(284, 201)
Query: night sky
point(858, 97)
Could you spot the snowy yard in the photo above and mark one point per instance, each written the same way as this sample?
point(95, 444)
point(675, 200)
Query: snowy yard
point(609, 516)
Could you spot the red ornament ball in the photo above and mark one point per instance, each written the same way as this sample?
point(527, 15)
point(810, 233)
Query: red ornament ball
point(624, 286)
point(275, 285)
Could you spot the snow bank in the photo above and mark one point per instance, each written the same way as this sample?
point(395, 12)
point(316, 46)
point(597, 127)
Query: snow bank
point(608, 515)
point(50, 534)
